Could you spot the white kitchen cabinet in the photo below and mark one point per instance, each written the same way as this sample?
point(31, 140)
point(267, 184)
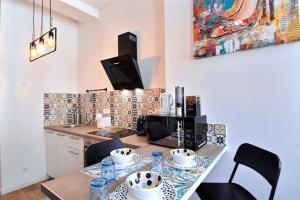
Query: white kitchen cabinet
point(74, 160)
point(64, 153)
point(50, 153)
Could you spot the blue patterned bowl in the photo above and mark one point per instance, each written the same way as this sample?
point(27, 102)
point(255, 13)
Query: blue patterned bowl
point(122, 155)
point(182, 156)
point(144, 184)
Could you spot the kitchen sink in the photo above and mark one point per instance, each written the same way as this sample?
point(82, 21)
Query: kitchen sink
point(72, 125)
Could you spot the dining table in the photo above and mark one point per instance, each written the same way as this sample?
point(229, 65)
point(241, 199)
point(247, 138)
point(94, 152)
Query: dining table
point(76, 185)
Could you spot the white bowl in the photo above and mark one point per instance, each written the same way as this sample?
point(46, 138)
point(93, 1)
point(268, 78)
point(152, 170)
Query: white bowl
point(144, 184)
point(122, 155)
point(182, 156)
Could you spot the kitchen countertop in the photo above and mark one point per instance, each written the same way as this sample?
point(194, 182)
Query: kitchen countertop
point(133, 140)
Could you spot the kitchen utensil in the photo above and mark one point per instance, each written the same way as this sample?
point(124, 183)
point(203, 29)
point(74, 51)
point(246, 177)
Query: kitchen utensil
point(134, 162)
point(99, 189)
point(108, 170)
point(179, 100)
point(157, 160)
point(182, 156)
point(166, 101)
point(196, 164)
point(144, 184)
point(122, 155)
point(167, 192)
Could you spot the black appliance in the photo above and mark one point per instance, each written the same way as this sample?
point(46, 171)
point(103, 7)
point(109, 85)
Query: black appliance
point(164, 130)
point(193, 106)
point(141, 126)
point(123, 70)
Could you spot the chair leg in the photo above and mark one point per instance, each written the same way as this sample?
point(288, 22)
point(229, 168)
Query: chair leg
point(233, 172)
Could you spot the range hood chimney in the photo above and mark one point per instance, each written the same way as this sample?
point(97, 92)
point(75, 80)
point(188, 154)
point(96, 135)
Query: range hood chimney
point(123, 71)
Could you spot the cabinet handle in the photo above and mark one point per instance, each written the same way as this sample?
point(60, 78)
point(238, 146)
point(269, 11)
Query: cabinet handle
point(61, 135)
point(72, 152)
point(51, 132)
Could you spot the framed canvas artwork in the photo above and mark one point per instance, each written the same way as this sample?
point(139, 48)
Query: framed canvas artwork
point(227, 26)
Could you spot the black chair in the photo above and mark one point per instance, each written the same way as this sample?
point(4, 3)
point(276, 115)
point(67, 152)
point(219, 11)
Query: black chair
point(264, 162)
point(96, 152)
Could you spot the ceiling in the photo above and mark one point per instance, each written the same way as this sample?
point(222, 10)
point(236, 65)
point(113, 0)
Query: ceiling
point(99, 4)
point(80, 10)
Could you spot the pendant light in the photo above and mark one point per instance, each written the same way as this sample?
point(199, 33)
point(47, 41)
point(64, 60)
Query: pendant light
point(40, 46)
point(51, 39)
point(46, 43)
point(33, 52)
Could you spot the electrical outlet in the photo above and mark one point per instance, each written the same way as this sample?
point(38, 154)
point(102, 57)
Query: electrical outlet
point(24, 170)
point(220, 129)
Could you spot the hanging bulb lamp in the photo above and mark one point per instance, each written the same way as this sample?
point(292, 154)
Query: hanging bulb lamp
point(46, 43)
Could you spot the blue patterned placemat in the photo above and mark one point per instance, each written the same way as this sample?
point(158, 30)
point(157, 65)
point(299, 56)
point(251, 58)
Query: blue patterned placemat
point(182, 180)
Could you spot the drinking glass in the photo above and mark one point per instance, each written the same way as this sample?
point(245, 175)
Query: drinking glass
point(99, 189)
point(157, 160)
point(108, 170)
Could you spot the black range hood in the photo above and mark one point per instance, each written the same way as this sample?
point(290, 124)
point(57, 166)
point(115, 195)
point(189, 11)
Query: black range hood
point(123, 71)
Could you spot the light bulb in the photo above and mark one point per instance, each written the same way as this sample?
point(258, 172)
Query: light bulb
point(33, 51)
point(51, 40)
point(40, 46)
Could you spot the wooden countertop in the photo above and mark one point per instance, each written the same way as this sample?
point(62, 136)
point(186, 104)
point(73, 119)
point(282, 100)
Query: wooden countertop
point(132, 140)
point(76, 185)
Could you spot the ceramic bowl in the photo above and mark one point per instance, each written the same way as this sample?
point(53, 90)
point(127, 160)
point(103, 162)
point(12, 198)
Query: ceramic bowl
point(122, 156)
point(182, 156)
point(144, 184)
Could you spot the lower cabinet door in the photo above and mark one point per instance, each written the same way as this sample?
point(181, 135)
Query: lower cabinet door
point(51, 152)
point(64, 153)
point(61, 147)
point(74, 160)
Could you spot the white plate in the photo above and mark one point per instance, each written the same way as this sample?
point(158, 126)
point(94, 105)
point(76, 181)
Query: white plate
point(168, 192)
point(136, 160)
point(196, 164)
point(158, 197)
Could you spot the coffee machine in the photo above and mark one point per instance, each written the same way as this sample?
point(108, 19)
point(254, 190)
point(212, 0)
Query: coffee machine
point(175, 131)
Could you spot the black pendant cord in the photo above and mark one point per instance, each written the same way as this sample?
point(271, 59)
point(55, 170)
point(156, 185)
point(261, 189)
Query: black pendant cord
point(51, 20)
point(33, 19)
point(42, 17)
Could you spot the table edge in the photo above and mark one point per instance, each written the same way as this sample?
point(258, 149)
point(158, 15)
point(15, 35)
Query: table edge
point(193, 188)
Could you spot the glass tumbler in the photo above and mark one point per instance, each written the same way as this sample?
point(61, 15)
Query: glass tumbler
point(99, 189)
point(157, 160)
point(108, 170)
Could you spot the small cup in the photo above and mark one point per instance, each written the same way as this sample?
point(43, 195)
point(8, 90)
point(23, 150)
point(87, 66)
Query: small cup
point(108, 170)
point(157, 160)
point(99, 189)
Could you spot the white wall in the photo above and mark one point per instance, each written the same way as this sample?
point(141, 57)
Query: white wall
point(98, 40)
point(2, 124)
point(256, 93)
point(22, 86)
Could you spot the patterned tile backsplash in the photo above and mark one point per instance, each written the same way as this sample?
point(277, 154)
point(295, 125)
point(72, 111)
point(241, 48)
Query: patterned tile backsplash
point(124, 106)
point(216, 134)
point(58, 108)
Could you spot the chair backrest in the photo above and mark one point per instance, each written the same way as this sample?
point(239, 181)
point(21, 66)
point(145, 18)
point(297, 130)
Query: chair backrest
point(263, 162)
point(96, 152)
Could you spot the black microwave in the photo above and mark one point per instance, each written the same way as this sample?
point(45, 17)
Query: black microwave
point(173, 131)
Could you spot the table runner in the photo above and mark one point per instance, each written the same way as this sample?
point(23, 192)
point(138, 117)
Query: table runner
point(182, 180)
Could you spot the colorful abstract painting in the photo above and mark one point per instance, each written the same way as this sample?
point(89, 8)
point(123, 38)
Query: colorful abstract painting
point(227, 26)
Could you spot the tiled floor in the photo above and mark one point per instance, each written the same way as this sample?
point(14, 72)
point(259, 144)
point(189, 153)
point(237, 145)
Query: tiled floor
point(32, 192)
